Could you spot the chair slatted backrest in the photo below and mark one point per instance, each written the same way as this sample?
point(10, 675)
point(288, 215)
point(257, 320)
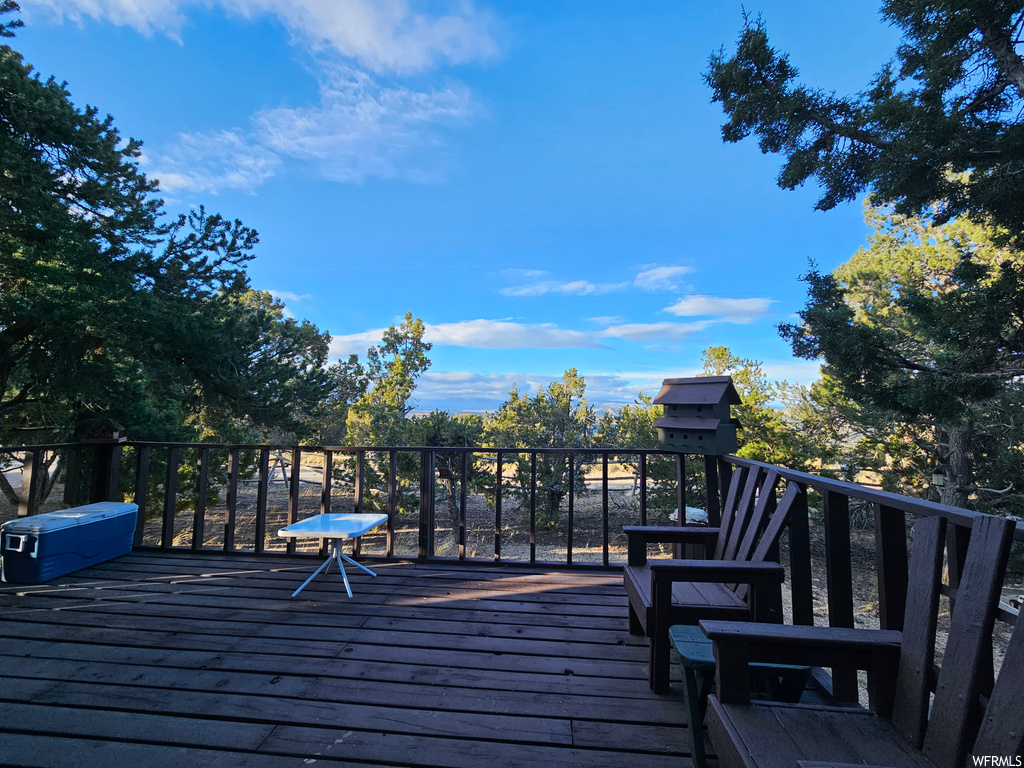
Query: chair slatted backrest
point(1002, 728)
point(917, 654)
point(759, 519)
point(968, 646)
point(744, 510)
point(773, 528)
point(730, 510)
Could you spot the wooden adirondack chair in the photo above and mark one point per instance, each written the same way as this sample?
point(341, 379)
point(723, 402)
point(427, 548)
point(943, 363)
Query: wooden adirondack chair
point(906, 724)
point(729, 585)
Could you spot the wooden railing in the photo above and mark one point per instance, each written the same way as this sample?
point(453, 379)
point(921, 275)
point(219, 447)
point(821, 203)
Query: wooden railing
point(892, 515)
point(172, 484)
point(153, 475)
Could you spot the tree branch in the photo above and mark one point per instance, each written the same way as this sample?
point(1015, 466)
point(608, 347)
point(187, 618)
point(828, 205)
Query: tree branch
point(847, 132)
point(1000, 44)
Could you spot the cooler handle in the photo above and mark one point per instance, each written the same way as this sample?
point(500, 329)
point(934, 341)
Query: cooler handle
point(21, 539)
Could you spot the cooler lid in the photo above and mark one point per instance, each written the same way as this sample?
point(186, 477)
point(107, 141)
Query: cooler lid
point(68, 518)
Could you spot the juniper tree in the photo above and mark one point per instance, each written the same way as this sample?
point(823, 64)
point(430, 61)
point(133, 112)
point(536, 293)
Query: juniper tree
point(940, 124)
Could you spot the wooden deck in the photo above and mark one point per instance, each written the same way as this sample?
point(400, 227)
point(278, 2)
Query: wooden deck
point(178, 658)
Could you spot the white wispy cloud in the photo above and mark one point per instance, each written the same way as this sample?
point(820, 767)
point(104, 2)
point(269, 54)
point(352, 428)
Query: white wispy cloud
point(654, 331)
point(289, 295)
point(541, 284)
point(145, 16)
point(569, 288)
point(660, 278)
point(729, 310)
point(362, 129)
point(466, 391)
point(343, 345)
point(607, 320)
point(381, 35)
point(481, 334)
point(492, 334)
point(470, 391)
point(212, 162)
point(524, 273)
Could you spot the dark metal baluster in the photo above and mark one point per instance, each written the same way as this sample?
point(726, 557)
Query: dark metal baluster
point(360, 480)
point(426, 488)
point(497, 506)
point(533, 506)
point(141, 489)
point(170, 496)
point(234, 467)
point(392, 499)
point(572, 497)
point(325, 483)
point(202, 486)
point(262, 492)
point(295, 480)
point(643, 489)
point(357, 493)
point(604, 508)
point(681, 488)
point(463, 499)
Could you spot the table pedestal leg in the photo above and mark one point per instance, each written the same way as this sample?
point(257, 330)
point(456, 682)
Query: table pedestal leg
point(341, 557)
point(323, 567)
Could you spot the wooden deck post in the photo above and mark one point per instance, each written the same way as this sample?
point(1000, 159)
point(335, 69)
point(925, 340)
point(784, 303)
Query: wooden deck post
point(107, 469)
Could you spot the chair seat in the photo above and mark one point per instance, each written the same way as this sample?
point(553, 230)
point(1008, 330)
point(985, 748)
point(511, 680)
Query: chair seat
point(691, 601)
point(773, 735)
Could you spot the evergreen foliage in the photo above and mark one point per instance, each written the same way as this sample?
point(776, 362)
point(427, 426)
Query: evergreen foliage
point(921, 333)
point(558, 416)
point(940, 124)
point(110, 314)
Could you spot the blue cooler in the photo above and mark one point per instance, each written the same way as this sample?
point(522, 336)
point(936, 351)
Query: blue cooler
point(42, 547)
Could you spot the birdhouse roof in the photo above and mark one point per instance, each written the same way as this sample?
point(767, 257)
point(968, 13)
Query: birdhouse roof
point(699, 390)
point(692, 425)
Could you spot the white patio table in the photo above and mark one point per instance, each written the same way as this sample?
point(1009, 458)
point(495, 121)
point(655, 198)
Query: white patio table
point(334, 526)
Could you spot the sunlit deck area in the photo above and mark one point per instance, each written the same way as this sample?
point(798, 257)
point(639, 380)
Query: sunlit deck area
point(180, 658)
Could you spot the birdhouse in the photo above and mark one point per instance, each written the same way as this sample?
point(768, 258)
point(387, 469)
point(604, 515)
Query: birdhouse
point(697, 415)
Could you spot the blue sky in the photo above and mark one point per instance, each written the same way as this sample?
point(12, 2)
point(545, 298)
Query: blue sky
point(543, 183)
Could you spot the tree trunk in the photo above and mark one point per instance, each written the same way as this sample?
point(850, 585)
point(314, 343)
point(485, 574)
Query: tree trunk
point(959, 478)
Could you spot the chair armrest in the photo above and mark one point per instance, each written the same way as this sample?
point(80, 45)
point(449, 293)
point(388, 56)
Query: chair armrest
point(758, 575)
point(639, 536)
point(736, 644)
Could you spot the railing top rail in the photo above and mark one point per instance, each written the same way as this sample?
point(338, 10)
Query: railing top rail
point(384, 448)
point(612, 451)
point(921, 507)
point(49, 446)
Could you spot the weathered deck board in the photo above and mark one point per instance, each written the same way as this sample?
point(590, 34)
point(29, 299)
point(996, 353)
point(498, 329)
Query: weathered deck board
point(168, 658)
